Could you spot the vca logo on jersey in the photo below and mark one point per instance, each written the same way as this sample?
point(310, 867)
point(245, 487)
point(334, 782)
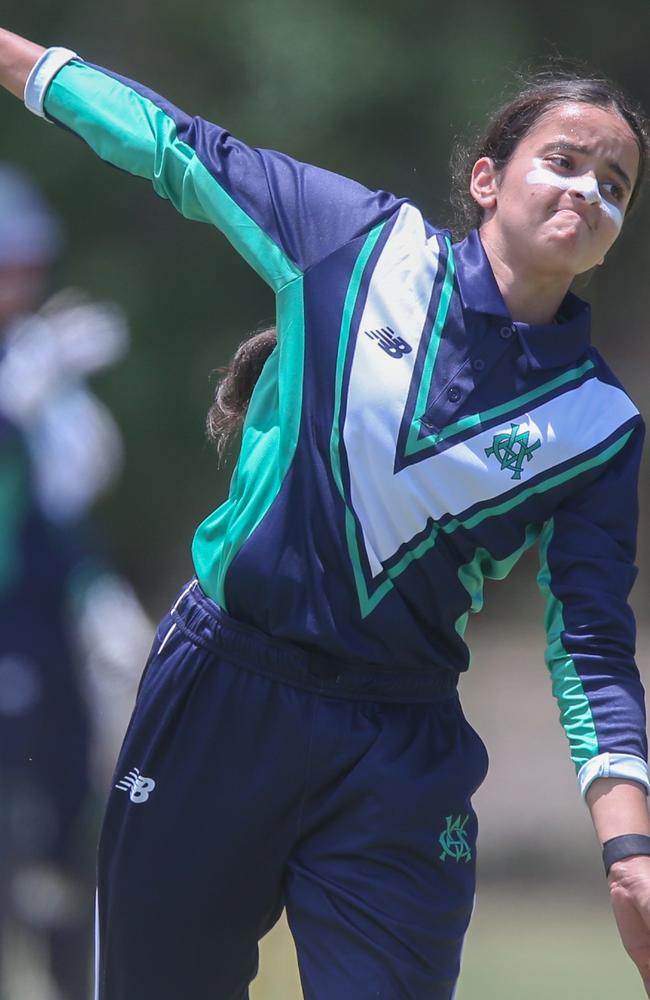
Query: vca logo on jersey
point(395, 347)
point(511, 449)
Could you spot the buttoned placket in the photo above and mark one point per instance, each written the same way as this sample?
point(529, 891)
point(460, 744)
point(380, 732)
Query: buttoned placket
point(476, 367)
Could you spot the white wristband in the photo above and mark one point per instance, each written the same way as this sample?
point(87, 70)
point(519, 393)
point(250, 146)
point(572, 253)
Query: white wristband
point(42, 75)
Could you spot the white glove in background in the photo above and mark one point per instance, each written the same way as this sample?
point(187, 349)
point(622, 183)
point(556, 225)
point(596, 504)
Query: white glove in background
point(74, 442)
point(114, 635)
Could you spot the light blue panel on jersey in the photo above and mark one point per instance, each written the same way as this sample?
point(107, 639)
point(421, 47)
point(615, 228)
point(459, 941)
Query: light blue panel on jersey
point(575, 711)
point(335, 439)
point(392, 508)
point(414, 443)
point(131, 132)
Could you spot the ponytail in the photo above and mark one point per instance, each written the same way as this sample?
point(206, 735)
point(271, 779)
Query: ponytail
point(234, 389)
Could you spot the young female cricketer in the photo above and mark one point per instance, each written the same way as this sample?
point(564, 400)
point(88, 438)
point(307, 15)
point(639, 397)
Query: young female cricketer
point(431, 411)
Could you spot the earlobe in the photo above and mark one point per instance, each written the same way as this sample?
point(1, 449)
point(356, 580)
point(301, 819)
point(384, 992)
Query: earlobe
point(483, 183)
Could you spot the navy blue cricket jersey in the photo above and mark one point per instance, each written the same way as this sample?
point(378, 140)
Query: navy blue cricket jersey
point(406, 440)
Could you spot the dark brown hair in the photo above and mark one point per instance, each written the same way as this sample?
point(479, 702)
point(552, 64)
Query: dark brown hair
point(511, 122)
point(234, 389)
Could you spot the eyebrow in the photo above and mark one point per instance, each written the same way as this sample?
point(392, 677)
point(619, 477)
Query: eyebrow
point(572, 147)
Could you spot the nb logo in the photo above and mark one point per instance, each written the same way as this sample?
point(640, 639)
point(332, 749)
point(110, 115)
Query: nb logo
point(395, 347)
point(511, 449)
point(453, 840)
point(139, 788)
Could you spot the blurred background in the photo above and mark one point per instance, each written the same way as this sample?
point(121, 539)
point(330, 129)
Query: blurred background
point(380, 93)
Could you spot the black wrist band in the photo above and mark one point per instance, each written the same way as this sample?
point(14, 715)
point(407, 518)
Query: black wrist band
point(626, 846)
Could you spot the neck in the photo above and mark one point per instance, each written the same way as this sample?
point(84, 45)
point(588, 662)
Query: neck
point(531, 297)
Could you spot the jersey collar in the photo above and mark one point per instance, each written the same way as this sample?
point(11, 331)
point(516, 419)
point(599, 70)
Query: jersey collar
point(549, 346)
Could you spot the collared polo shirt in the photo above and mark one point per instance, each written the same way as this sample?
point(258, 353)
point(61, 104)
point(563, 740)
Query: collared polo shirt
point(406, 439)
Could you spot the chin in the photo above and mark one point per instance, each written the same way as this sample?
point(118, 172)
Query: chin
point(563, 255)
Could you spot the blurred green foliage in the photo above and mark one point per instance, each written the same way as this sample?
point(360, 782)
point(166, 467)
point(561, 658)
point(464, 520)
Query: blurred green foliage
point(378, 92)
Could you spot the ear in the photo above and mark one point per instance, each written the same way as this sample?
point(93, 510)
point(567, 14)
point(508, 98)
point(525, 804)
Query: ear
point(483, 185)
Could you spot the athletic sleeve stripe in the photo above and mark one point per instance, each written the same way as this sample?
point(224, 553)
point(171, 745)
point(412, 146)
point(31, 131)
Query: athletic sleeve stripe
point(129, 131)
point(575, 711)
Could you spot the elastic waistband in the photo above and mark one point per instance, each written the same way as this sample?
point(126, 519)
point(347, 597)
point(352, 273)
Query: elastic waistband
point(208, 625)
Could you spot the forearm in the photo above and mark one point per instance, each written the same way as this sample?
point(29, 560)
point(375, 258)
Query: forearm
point(17, 59)
point(618, 807)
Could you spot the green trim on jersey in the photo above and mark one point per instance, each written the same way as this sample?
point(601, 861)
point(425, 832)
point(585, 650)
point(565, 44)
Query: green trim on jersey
point(575, 711)
point(414, 444)
point(473, 574)
point(269, 440)
point(367, 601)
point(131, 132)
point(474, 419)
point(548, 484)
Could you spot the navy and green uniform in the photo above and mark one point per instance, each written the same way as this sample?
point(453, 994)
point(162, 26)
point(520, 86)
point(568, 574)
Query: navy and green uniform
point(297, 737)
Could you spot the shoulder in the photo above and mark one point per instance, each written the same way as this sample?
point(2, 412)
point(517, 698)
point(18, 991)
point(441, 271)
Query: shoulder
point(606, 375)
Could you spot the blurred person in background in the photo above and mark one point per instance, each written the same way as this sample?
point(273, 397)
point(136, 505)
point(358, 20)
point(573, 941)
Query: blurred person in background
point(69, 626)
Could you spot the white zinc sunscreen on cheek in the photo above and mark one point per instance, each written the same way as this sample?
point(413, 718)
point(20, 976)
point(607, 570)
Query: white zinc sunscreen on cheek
point(585, 184)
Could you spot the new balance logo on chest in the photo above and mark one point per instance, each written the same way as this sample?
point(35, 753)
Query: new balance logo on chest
point(394, 346)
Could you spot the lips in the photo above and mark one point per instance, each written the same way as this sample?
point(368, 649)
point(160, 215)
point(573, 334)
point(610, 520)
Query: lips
point(572, 213)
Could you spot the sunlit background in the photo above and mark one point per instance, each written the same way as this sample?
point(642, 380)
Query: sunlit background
point(379, 92)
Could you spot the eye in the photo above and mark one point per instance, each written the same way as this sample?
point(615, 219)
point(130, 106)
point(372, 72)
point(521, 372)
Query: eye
point(613, 190)
point(560, 160)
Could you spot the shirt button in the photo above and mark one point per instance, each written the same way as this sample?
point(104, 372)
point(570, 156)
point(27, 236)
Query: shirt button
point(453, 394)
point(506, 332)
point(478, 364)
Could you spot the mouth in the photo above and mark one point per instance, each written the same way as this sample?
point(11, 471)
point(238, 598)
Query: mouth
point(571, 213)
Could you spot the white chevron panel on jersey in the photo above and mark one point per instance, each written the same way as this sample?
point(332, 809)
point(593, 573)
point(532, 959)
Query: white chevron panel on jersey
point(394, 507)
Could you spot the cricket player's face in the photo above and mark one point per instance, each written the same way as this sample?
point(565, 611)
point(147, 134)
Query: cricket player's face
point(560, 201)
point(21, 291)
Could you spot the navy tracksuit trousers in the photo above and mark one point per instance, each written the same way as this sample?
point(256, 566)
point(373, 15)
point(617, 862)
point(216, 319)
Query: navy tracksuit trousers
point(238, 793)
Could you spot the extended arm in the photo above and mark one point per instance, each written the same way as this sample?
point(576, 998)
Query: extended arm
point(17, 59)
point(283, 216)
point(587, 573)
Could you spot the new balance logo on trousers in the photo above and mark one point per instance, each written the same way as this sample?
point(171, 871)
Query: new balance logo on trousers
point(138, 787)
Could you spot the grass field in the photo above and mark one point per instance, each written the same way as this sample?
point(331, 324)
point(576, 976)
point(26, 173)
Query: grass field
point(524, 944)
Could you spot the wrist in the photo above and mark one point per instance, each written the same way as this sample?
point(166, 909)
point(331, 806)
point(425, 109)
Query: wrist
point(625, 848)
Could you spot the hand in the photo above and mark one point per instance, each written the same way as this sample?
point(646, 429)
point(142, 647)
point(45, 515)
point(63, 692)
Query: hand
point(629, 887)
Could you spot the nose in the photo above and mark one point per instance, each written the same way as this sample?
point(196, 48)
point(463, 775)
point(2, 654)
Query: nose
point(585, 188)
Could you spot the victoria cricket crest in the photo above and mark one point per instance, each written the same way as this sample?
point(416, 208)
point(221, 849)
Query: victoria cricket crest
point(512, 450)
point(453, 840)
